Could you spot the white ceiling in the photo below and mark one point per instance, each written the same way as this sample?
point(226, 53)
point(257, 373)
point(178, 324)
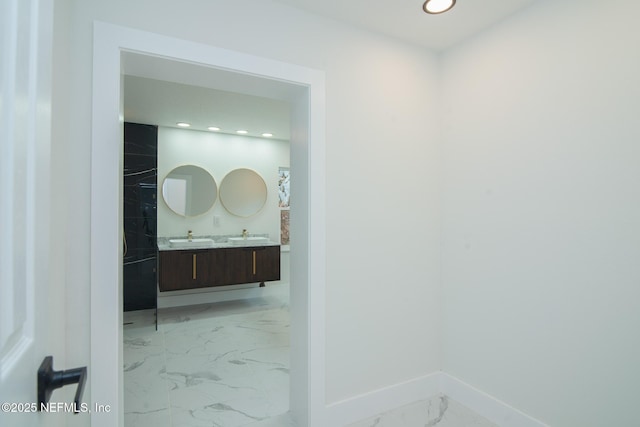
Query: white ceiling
point(163, 92)
point(405, 19)
point(164, 103)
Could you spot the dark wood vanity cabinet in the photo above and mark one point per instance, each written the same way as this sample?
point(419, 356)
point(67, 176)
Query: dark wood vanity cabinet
point(253, 264)
point(267, 264)
point(189, 269)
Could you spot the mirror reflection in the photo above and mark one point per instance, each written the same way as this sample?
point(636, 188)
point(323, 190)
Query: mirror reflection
point(189, 190)
point(243, 192)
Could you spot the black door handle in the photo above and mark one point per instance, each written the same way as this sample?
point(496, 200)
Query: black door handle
point(49, 380)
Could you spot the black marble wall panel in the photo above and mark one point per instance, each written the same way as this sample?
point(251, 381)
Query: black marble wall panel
point(139, 274)
point(140, 216)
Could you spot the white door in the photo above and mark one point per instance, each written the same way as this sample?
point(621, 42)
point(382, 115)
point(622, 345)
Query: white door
point(27, 333)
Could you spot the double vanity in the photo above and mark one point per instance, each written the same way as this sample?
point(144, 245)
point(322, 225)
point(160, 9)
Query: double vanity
point(197, 262)
point(209, 261)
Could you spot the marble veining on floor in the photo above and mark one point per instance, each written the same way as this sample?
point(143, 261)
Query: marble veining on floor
point(214, 365)
point(439, 411)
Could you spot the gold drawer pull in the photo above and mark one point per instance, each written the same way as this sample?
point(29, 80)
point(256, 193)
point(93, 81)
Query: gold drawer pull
point(194, 267)
point(254, 263)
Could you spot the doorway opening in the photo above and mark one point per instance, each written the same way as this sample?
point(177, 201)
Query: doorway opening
point(218, 354)
point(118, 50)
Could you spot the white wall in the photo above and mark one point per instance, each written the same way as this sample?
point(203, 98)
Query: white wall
point(541, 230)
point(219, 154)
point(382, 187)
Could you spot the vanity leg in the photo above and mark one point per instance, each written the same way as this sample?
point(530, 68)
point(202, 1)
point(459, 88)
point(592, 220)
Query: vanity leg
point(262, 284)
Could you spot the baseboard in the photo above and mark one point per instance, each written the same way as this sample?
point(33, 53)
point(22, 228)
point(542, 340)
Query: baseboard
point(369, 404)
point(376, 402)
point(484, 404)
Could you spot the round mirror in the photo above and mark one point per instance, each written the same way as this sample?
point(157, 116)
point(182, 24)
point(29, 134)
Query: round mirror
point(243, 192)
point(189, 190)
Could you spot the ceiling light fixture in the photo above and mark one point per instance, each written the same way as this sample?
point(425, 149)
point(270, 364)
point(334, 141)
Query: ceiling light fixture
point(214, 128)
point(183, 124)
point(242, 132)
point(267, 135)
point(435, 7)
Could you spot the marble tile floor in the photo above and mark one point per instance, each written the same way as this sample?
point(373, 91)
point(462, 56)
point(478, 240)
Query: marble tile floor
point(227, 365)
point(439, 411)
point(216, 365)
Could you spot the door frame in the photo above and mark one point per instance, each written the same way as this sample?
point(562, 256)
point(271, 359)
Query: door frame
point(307, 387)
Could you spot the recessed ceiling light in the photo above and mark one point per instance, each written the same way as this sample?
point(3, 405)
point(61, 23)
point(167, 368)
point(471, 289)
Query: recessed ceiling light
point(213, 128)
point(183, 124)
point(434, 7)
point(242, 132)
point(267, 135)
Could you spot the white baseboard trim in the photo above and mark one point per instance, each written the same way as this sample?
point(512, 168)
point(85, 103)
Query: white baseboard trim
point(369, 404)
point(484, 404)
point(376, 402)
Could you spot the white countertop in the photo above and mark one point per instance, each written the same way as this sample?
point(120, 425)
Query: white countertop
point(214, 242)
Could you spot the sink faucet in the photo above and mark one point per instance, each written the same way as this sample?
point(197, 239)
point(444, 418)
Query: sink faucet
point(190, 235)
point(244, 233)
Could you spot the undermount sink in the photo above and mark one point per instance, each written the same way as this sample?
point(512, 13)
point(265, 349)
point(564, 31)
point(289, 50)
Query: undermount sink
point(193, 243)
point(252, 240)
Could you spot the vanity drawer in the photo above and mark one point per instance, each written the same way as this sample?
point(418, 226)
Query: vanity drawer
point(252, 264)
point(187, 269)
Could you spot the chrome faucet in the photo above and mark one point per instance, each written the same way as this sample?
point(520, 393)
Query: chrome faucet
point(190, 235)
point(244, 233)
